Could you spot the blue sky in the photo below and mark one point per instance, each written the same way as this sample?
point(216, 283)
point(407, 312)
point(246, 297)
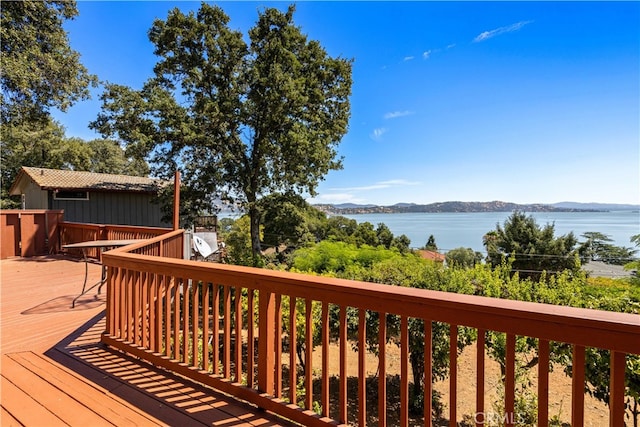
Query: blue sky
point(525, 102)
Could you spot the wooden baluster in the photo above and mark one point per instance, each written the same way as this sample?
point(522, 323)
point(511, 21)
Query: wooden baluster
point(343, 364)
point(167, 315)
point(577, 386)
point(215, 349)
point(226, 368)
point(195, 325)
point(382, 370)
point(309, 354)
point(404, 371)
point(176, 318)
point(148, 338)
point(325, 359)
point(142, 313)
point(543, 383)
point(510, 381)
point(293, 368)
point(238, 334)
point(206, 320)
point(362, 368)
point(160, 294)
point(479, 415)
point(250, 339)
point(453, 374)
point(185, 321)
point(428, 367)
point(278, 346)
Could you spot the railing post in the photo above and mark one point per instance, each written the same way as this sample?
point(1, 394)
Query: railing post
point(266, 341)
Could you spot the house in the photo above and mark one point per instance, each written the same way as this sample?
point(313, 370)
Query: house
point(90, 197)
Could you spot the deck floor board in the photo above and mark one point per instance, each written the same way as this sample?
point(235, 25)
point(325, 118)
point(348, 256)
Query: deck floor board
point(55, 371)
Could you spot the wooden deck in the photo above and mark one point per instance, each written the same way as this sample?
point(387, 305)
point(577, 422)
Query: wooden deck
point(54, 370)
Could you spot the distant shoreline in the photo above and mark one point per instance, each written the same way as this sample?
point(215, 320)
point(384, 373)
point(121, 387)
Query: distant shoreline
point(470, 207)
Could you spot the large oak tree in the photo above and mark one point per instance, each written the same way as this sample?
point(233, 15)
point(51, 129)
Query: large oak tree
point(242, 120)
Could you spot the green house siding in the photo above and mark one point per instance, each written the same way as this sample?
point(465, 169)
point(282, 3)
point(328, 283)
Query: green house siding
point(112, 208)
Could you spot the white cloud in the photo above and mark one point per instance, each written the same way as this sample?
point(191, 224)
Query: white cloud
point(377, 133)
point(396, 114)
point(451, 46)
point(335, 198)
point(408, 58)
point(502, 30)
point(399, 182)
point(426, 54)
point(380, 185)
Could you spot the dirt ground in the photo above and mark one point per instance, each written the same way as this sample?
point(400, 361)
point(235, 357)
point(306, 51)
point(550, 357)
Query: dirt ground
point(596, 412)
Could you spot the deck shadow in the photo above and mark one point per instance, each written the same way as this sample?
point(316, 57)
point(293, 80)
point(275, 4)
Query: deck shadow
point(162, 394)
point(63, 304)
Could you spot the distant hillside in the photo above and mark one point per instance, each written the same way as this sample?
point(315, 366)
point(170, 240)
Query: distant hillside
point(495, 206)
point(596, 206)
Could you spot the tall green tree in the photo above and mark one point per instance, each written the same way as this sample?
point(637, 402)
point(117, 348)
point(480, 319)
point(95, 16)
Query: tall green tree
point(288, 219)
point(463, 257)
point(598, 247)
point(109, 157)
point(635, 264)
point(534, 249)
point(241, 119)
point(40, 71)
point(431, 244)
point(43, 144)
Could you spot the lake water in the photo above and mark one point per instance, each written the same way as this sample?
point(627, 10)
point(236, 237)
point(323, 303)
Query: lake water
point(454, 230)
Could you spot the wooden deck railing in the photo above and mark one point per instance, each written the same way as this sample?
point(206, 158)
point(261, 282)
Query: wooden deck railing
point(74, 232)
point(222, 325)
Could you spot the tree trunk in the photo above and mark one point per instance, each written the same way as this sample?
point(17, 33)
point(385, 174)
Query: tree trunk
point(419, 376)
point(254, 216)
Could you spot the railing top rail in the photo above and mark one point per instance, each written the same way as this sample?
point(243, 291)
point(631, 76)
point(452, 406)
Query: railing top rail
point(594, 328)
point(116, 226)
point(29, 211)
point(147, 242)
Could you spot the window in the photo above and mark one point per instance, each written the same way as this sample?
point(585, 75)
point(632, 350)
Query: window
point(71, 195)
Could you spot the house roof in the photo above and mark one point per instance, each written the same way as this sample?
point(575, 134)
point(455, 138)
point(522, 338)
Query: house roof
point(432, 255)
point(55, 179)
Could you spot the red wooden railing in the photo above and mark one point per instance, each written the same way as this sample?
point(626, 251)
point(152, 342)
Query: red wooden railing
point(222, 326)
point(74, 232)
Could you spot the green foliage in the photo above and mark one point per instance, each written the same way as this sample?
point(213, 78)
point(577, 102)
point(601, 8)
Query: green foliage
point(39, 69)
point(108, 157)
point(338, 228)
point(384, 235)
point(244, 117)
point(401, 243)
point(238, 244)
point(635, 264)
point(365, 234)
point(289, 220)
point(463, 258)
point(339, 257)
point(534, 249)
point(598, 248)
point(431, 244)
point(43, 144)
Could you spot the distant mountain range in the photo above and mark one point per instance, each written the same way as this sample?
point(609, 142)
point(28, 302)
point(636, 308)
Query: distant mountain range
point(495, 206)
